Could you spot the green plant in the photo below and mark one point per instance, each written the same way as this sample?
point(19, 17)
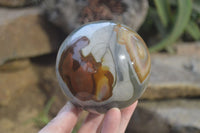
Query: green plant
point(172, 19)
point(77, 127)
point(43, 117)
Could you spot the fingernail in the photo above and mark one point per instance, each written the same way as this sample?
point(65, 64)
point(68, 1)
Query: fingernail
point(66, 108)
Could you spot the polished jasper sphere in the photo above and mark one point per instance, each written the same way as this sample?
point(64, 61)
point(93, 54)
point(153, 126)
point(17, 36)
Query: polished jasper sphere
point(103, 65)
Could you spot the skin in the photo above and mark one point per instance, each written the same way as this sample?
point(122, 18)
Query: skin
point(114, 121)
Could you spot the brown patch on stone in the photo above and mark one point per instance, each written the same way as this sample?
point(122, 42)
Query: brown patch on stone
point(116, 6)
point(95, 11)
point(101, 10)
point(138, 52)
point(86, 79)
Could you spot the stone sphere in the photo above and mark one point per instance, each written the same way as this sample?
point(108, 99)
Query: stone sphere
point(103, 65)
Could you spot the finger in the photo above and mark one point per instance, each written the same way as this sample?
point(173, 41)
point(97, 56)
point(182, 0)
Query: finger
point(91, 123)
point(126, 114)
point(111, 121)
point(64, 121)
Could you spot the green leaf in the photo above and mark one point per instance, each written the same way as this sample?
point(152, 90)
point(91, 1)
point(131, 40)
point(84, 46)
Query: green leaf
point(155, 19)
point(196, 6)
point(183, 17)
point(173, 2)
point(43, 117)
point(162, 7)
point(193, 29)
point(48, 105)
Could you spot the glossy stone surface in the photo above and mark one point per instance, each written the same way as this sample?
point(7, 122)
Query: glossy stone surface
point(103, 65)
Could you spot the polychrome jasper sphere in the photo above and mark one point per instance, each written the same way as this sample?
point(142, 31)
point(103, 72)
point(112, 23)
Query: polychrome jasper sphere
point(103, 65)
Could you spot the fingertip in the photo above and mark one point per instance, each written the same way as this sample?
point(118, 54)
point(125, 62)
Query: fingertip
point(64, 121)
point(126, 114)
point(92, 123)
point(69, 107)
point(111, 121)
point(114, 112)
point(130, 108)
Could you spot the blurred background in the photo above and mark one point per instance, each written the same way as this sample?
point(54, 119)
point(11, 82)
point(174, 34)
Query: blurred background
point(31, 32)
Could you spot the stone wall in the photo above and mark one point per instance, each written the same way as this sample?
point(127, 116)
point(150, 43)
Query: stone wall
point(27, 56)
point(31, 32)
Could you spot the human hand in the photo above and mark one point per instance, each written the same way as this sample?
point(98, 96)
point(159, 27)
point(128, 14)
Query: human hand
point(114, 121)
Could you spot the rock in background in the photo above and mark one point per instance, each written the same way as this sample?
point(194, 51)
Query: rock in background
point(18, 3)
point(171, 103)
point(25, 36)
point(70, 14)
point(29, 40)
point(176, 75)
point(25, 33)
point(182, 115)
